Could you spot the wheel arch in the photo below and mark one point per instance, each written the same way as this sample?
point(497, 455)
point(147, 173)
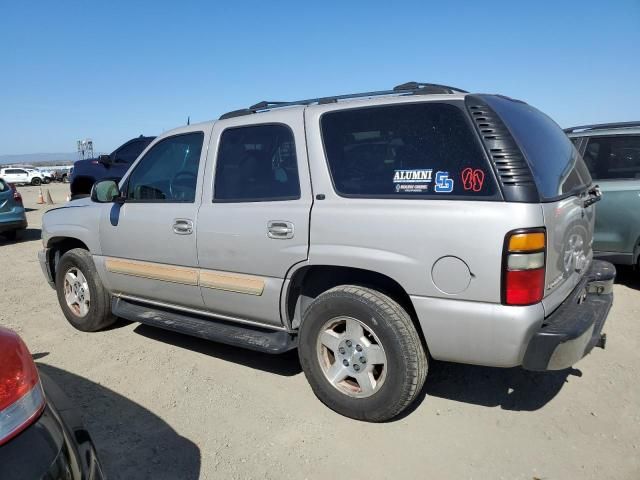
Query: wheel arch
point(310, 281)
point(59, 246)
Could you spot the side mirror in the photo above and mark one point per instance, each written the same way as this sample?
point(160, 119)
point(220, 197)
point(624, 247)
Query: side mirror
point(106, 191)
point(105, 159)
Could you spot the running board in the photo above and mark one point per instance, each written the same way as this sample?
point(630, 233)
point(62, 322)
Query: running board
point(246, 336)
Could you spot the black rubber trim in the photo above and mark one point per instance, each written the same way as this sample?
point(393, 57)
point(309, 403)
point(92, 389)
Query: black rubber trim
point(239, 335)
point(575, 316)
point(510, 166)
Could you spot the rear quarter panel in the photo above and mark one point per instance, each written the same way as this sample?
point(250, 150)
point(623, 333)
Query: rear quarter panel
point(404, 238)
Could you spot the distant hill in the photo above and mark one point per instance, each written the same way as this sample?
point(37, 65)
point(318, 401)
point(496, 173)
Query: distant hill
point(33, 158)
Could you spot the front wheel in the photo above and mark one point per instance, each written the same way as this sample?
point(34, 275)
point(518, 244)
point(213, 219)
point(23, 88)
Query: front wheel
point(361, 353)
point(36, 182)
point(83, 299)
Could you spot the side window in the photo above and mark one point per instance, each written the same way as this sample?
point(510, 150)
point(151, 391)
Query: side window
point(613, 158)
point(3, 186)
point(256, 163)
point(168, 172)
point(399, 151)
point(129, 152)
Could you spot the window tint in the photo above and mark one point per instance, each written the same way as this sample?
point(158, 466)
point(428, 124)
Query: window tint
point(129, 152)
point(405, 150)
point(257, 163)
point(557, 167)
point(616, 157)
point(169, 171)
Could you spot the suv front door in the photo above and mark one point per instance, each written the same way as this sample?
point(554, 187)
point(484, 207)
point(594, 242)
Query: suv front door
point(149, 242)
point(254, 218)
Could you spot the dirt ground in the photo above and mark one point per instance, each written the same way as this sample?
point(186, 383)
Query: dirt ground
point(161, 405)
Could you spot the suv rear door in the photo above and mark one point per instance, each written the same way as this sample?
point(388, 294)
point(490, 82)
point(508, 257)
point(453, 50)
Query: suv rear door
point(614, 163)
point(253, 224)
point(562, 181)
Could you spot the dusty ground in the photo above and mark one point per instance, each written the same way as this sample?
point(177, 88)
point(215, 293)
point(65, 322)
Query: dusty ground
point(161, 405)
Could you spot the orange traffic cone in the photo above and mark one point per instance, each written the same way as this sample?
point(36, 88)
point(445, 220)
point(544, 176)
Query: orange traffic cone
point(49, 199)
point(40, 197)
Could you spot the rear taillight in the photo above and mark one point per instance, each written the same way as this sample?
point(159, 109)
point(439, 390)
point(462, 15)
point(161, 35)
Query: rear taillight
point(16, 195)
point(524, 267)
point(21, 396)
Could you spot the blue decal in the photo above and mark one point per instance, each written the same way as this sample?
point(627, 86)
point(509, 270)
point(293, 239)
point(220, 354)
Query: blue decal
point(444, 184)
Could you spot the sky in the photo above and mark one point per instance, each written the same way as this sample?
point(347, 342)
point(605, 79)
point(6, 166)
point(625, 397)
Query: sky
point(113, 70)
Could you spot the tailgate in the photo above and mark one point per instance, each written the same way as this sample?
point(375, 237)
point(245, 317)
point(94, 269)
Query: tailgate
point(6, 198)
point(569, 247)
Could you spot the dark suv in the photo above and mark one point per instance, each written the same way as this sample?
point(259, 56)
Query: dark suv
point(106, 167)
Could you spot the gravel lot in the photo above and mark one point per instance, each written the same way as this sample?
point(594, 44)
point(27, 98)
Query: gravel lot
point(161, 405)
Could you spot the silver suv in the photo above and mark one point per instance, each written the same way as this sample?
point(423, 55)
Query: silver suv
point(371, 231)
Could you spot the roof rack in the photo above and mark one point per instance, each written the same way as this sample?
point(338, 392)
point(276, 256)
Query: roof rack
point(603, 126)
point(409, 88)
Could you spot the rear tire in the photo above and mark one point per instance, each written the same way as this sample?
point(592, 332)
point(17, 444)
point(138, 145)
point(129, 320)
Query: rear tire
point(11, 235)
point(36, 182)
point(84, 301)
point(374, 339)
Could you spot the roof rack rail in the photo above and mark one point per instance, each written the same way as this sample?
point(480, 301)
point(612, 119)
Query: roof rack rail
point(603, 126)
point(409, 88)
point(427, 88)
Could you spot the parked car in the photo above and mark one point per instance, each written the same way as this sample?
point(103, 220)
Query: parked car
point(367, 230)
point(62, 174)
point(47, 177)
point(41, 436)
point(86, 172)
point(13, 218)
point(22, 176)
point(611, 151)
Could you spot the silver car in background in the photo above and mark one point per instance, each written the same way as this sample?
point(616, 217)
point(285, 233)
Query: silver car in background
point(371, 231)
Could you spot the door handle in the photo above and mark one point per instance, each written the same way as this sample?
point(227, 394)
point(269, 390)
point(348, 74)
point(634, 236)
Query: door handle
point(183, 226)
point(280, 229)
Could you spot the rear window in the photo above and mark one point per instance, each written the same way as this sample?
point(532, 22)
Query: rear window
point(399, 151)
point(557, 167)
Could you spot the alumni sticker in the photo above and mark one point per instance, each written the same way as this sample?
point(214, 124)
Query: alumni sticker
point(412, 176)
point(412, 181)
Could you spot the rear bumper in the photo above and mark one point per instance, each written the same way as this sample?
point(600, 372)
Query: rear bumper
point(13, 225)
point(56, 446)
point(575, 327)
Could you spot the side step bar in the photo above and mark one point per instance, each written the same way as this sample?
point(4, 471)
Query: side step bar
point(246, 336)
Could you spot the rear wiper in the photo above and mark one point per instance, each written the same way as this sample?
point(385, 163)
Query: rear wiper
point(594, 195)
